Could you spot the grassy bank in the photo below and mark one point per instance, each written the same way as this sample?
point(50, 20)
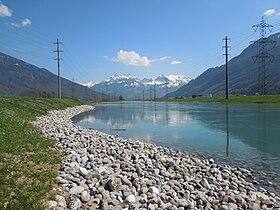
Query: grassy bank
point(28, 162)
point(235, 99)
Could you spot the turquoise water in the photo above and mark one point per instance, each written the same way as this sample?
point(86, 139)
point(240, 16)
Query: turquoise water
point(237, 134)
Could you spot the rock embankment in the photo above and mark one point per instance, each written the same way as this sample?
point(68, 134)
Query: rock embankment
point(101, 171)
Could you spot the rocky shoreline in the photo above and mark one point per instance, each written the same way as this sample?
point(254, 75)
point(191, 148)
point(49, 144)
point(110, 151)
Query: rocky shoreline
point(101, 171)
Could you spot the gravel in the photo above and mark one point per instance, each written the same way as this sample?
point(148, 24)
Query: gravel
point(101, 171)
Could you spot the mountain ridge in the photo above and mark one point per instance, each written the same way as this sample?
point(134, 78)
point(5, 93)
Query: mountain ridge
point(21, 78)
point(133, 88)
point(243, 75)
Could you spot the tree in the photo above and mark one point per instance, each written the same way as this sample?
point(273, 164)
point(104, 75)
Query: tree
point(121, 98)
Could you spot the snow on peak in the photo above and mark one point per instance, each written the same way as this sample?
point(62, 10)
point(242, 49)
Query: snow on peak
point(128, 81)
point(88, 84)
point(169, 80)
point(178, 78)
point(122, 76)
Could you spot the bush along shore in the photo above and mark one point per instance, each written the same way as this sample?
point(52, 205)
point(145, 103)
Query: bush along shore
point(101, 171)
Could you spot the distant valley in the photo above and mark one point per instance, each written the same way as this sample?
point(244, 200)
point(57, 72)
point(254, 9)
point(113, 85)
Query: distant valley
point(21, 78)
point(133, 88)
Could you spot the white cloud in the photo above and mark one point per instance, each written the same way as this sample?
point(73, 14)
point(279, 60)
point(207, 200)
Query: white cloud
point(24, 23)
point(131, 58)
point(16, 25)
point(175, 62)
point(5, 11)
point(269, 12)
point(164, 58)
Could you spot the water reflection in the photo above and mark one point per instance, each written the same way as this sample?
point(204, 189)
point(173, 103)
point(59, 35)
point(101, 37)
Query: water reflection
point(246, 129)
point(227, 123)
point(238, 134)
point(87, 118)
point(128, 117)
point(254, 125)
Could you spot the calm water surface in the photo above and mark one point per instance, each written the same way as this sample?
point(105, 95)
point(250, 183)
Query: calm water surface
point(245, 135)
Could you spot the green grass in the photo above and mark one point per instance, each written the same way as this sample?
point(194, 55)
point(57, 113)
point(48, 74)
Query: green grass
point(235, 99)
point(28, 162)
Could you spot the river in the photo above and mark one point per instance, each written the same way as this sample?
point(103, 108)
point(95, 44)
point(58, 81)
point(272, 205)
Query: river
point(246, 135)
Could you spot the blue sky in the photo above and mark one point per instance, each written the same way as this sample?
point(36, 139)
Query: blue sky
point(144, 38)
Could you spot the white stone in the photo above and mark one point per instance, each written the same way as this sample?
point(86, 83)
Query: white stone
point(232, 206)
point(205, 183)
point(76, 190)
point(84, 159)
point(83, 171)
point(85, 197)
point(73, 164)
point(52, 204)
point(223, 207)
point(130, 199)
point(101, 169)
point(211, 161)
point(75, 204)
point(60, 201)
point(151, 207)
point(154, 190)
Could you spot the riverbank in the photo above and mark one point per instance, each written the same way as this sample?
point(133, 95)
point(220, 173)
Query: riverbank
point(28, 162)
point(109, 172)
point(234, 99)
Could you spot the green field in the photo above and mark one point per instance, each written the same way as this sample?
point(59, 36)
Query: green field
point(28, 161)
point(235, 99)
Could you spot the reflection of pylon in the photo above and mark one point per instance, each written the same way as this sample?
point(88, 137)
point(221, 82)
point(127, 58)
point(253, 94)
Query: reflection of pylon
point(151, 92)
point(155, 95)
point(263, 56)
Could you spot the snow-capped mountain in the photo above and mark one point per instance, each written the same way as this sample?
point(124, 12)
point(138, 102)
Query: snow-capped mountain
point(169, 80)
point(133, 88)
point(126, 79)
point(88, 84)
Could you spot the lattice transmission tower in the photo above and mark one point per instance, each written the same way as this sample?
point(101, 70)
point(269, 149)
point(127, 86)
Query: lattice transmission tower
point(263, 57)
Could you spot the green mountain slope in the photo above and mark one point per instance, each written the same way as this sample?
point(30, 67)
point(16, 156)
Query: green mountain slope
point(21, 78)
point(243, 72)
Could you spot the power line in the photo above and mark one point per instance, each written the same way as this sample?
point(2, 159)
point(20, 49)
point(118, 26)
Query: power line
point(58, 51)
point(35, 41)
point(263, 56)
point(238, 45)
point(75, 62)
point(21, 37)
